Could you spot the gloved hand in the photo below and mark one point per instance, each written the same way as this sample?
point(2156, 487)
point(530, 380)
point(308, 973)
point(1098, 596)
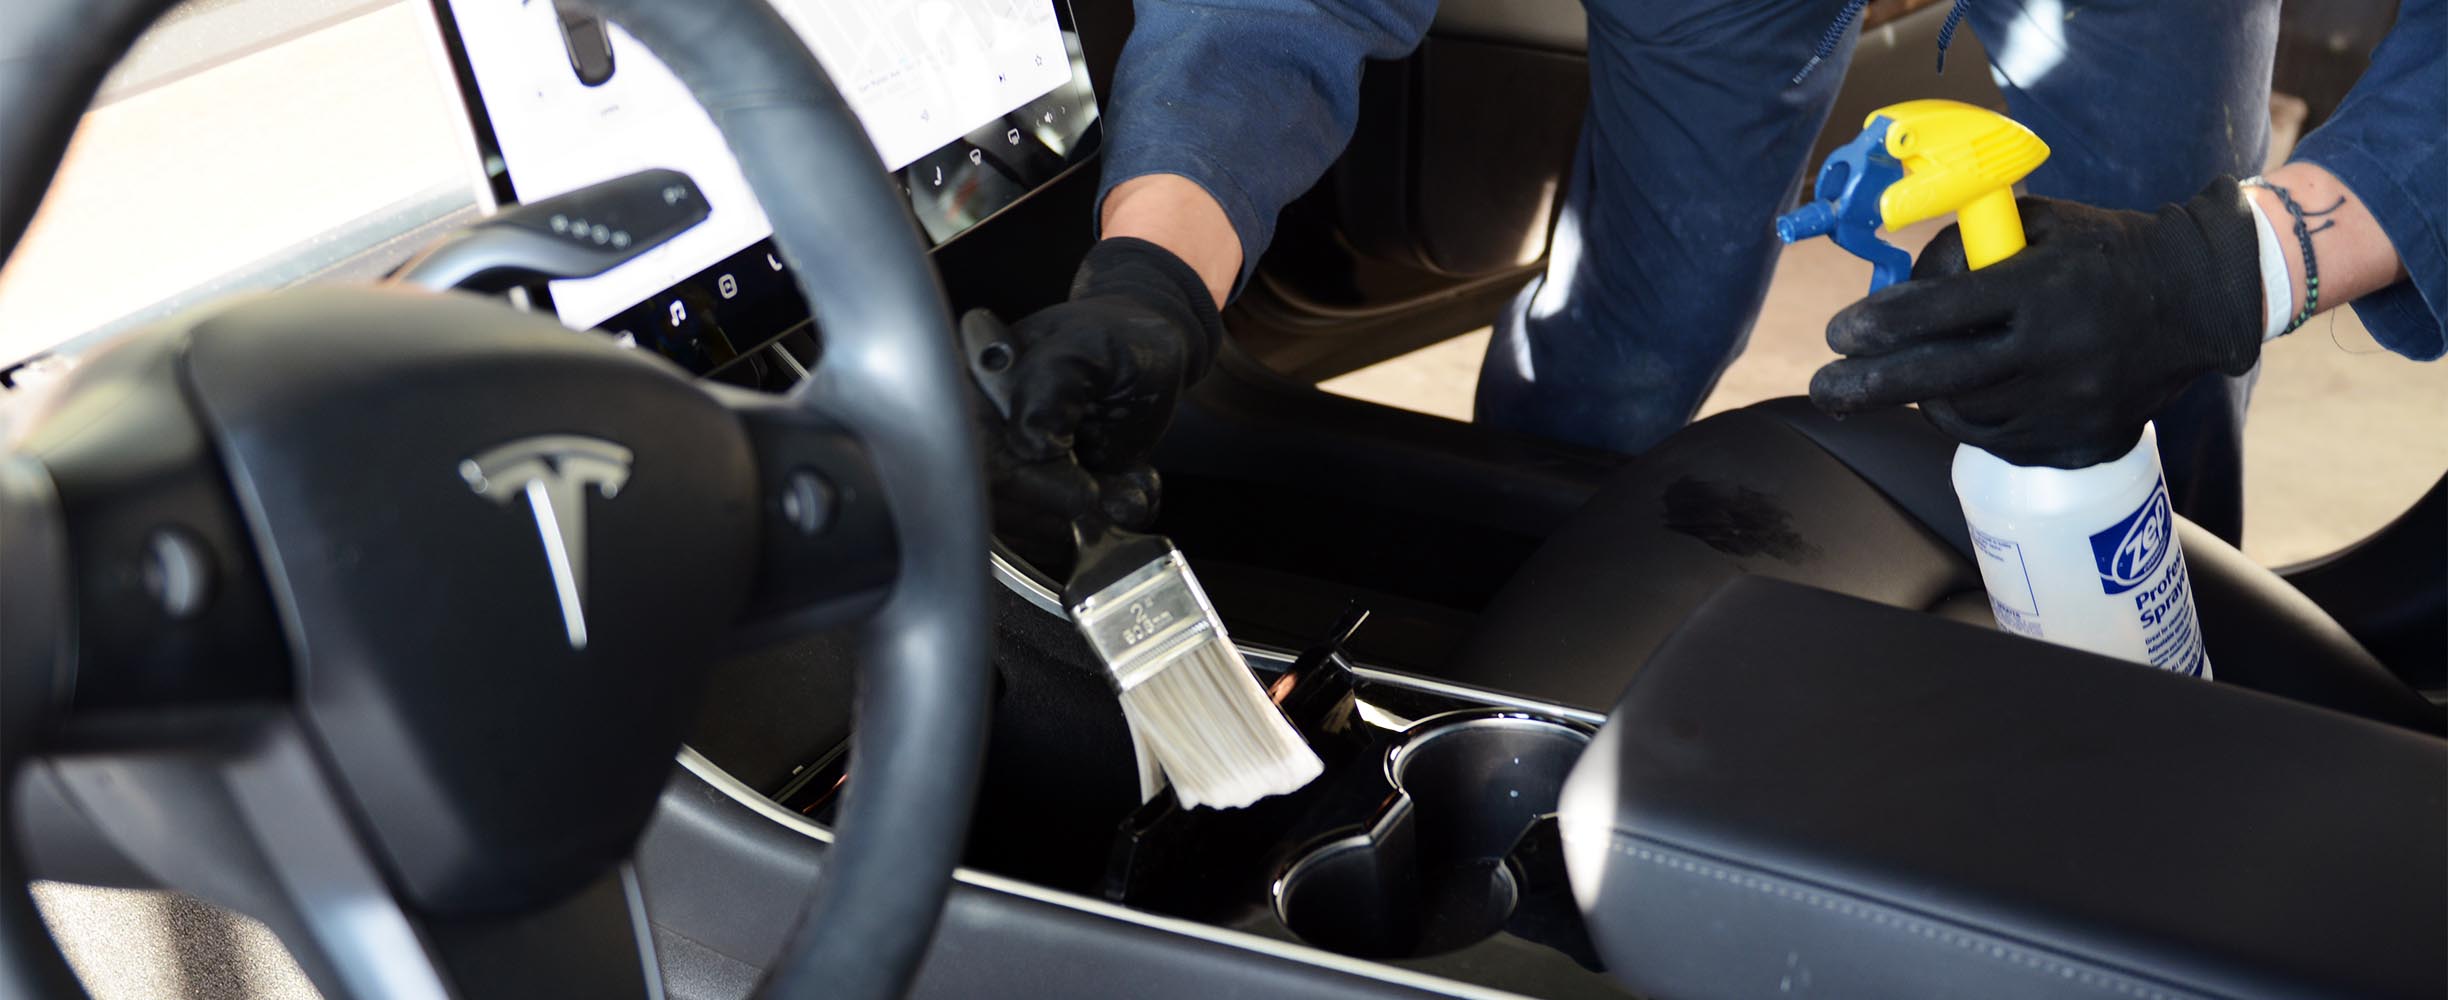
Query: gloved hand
point(2059, 354)
point(1094, 387)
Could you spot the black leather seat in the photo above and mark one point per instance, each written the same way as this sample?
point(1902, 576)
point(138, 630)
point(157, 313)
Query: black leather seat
point(1875, 803)
point(1862, 507)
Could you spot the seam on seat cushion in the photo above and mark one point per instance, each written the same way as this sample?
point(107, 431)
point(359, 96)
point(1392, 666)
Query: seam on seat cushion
point(1987, 945)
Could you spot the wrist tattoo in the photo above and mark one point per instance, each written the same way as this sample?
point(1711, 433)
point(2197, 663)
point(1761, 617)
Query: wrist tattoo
point(2303, 238)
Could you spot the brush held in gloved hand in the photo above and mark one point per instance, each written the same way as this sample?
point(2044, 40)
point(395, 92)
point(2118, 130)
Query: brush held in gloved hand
point(1093, 390)
point(1186, 691)
point(2059, 354)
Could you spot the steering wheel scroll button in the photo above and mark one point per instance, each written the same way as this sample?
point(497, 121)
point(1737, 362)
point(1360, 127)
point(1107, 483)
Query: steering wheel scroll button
point(177, 573)
point(807, 502)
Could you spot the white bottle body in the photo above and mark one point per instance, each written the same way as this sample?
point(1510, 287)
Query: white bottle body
point(2086, 558)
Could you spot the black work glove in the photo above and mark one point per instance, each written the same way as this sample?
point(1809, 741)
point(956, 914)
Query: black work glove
point(1093, 390)
point(2059, 354)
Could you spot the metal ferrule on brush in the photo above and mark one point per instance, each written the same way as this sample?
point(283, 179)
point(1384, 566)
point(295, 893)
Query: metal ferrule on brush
point(1146, 620)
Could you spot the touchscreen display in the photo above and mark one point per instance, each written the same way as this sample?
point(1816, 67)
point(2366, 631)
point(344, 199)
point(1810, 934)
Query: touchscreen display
point(970, 103)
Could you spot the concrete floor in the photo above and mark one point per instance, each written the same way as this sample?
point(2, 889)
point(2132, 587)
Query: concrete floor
point(2343, 436)
point(127, 944)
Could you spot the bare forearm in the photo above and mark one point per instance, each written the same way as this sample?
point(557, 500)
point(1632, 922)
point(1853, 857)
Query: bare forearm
point(2354, 256)
point(1177, 214)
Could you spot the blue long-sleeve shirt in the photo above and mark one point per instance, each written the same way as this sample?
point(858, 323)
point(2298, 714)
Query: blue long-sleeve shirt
point(2388, 141)
point(1254, 99)
point(1250, 99)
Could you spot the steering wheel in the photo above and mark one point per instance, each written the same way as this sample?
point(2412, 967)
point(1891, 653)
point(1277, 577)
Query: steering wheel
point(378, 613)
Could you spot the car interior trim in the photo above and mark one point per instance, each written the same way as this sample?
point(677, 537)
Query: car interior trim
point(641, 924)
point(1016, 580)
point(1466, 692)
point(336, 890)
point(722, 781)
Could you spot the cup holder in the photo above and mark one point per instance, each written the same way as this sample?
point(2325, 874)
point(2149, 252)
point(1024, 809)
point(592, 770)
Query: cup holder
point(1453, 855)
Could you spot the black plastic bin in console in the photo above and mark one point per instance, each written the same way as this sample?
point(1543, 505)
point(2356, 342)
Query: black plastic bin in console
point(1806, 794)
point(1429, 843)
point(1439, 869)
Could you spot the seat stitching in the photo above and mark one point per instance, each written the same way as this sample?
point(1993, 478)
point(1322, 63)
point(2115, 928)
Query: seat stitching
point(1882, 917)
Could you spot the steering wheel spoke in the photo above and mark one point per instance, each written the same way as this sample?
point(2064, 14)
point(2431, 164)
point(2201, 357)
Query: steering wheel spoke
point(243, 813)
point(596, 943)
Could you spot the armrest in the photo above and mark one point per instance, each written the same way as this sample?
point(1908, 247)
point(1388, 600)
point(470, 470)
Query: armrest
point(1806, 791)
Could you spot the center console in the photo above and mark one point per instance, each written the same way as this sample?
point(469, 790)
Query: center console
point(1426, 861)
point(1429, 844)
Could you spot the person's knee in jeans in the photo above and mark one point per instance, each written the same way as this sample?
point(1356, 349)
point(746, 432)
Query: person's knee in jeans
point(1696, 137)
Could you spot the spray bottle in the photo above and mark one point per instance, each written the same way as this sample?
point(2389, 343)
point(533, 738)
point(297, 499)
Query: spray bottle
point(2086, 558)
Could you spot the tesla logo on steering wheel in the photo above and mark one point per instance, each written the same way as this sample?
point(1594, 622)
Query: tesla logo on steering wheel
point(553, 472)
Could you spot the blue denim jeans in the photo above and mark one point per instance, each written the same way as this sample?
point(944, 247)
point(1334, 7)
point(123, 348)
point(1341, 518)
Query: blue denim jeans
point(1697, 137)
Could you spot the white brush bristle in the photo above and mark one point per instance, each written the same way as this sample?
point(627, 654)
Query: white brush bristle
point(1220, 739)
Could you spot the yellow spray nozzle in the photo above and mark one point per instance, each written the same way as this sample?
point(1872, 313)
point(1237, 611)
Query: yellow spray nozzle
point(1962, 159)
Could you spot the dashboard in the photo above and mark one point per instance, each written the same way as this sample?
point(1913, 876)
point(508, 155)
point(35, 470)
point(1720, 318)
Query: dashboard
point(971, 104)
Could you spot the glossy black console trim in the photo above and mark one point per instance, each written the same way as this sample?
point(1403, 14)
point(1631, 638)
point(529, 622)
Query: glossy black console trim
point(703, 863)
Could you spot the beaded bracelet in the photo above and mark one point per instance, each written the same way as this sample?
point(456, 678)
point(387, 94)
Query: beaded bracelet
point(2303, 237)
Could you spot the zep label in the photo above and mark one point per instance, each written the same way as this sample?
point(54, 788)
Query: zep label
point(2138, 560)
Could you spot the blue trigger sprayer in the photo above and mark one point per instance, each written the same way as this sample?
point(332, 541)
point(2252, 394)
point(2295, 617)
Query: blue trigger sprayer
point(2088, 557)
point(1846, 206)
